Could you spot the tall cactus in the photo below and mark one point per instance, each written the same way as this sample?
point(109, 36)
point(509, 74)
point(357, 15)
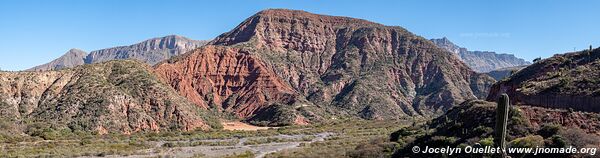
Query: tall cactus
point(501, 122)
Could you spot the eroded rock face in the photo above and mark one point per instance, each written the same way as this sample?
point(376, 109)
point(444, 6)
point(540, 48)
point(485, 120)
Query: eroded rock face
point(226, 78)
point(566, 81)
point(349, 67)
point(116, 96)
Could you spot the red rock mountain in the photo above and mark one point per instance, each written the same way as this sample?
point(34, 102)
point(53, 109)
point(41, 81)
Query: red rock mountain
point(300, 64)
point(227, 78)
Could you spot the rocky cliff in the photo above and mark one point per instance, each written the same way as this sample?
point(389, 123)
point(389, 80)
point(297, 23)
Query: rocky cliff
point(72, 58)
point(116, 96)
point(230, 79)
point(567, 81)
point(347, 66)
point(481, 61)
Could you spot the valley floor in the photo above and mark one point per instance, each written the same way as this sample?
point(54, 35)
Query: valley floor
point(333, 139)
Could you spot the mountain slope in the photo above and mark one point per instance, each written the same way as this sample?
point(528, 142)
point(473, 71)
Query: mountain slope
point(72, 58)
point(349, 67)
point(480, 61)
point(472, 123)
point(150, 51)
point(567, 81)
point(116, 96)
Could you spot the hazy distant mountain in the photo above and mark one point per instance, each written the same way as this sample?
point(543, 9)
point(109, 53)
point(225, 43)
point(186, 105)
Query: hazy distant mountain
point(150, 51)
point(72, 58)
point(481, 61)
point(502, 73)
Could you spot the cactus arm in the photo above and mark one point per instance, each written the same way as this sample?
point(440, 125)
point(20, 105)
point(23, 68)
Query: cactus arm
point(501, 122)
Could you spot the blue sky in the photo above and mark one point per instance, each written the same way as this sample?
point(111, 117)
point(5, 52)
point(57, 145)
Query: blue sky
point(35, 32)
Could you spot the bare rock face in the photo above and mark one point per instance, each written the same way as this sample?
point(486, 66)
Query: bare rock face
point(116, 96)
point(229, 79)
point(566, 81)
point(150, 51)
point(72, 58)
point(480, 61)
point(346, 66)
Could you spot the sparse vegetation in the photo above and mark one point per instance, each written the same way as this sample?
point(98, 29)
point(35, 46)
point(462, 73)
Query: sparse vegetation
point(348, 134)
point(471, 124)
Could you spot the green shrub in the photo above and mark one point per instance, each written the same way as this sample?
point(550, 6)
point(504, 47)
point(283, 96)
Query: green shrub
point(531, 141)
point(556, 141)
point(548, 130)
point(487, 141)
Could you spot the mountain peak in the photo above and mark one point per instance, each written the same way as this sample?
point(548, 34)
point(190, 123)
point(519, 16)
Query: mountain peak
point(305, 16)
point(266, 22)
point(71, 58)
point(75, 50)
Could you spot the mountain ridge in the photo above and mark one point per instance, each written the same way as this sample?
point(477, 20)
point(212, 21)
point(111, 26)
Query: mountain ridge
point(150, 51)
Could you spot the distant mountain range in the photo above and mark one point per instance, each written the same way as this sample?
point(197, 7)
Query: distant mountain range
point(481, 61)
point(149, 51)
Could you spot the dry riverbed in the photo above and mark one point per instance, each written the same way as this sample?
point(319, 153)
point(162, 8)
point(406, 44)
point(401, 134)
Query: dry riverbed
point(259, 146)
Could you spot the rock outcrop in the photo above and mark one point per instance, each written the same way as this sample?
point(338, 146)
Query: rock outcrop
point(117, 96)
point(72, 58)
point(229, 79)
point(345, 66)
point(481, 61)
point(566, 81)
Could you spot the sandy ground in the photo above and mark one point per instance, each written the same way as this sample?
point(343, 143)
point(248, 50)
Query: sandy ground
point(235, 125)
